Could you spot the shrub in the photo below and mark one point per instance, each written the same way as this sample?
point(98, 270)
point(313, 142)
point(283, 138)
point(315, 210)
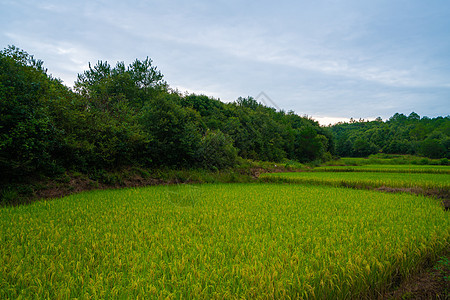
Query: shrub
point(217, 150)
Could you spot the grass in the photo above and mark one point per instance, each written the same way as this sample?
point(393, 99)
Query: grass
point(217, 241)
point(364, 179)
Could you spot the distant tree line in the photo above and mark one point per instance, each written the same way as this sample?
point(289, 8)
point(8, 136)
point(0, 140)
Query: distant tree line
point(123, 115)
point(401, 134)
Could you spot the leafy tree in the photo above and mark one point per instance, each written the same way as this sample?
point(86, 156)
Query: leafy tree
point(362, 147)
point(413, 117)
point(136, 83)
point(400, 118)
point(27, 133)
point(432, 148)
point(399, 146)
point(173, 131)
point(248, 102)
point(309, 145)
point(97, 139)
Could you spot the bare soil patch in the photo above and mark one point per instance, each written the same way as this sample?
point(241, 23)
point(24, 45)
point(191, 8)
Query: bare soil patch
point(430, 283)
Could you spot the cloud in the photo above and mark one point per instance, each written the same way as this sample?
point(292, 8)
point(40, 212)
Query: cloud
point(68, 59)
point(323, 58)
point(247, 41)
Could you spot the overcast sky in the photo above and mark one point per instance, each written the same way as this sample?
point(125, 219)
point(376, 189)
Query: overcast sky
point(330, 60)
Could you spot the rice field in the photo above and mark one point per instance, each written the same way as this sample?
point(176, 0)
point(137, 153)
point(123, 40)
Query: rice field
point(387, 168)
point(394, 160)
point(217, 241)
point(364, 179)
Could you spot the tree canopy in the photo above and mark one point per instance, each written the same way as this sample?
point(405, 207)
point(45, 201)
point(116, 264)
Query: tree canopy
point(400, 134)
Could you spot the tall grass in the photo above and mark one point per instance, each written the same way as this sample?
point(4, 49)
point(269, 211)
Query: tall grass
point(217, 241)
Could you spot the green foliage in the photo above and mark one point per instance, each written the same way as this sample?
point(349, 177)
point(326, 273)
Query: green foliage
point(8, 196)
point(444, 162)
point(105, 85)
point(28, 136)
point(173, 131)
point(432, 148)
point(363, 148)
point(217, 151)
point(387, 159)
point(309, 145)
point(262, 133)
point(443, 267)
point(398, 135)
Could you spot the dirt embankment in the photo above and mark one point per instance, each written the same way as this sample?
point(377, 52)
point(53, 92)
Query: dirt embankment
point(432, 282)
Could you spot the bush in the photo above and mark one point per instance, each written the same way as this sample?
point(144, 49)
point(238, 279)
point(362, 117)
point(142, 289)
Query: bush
point(424, 161)
point(8, 196)
point(217, 150)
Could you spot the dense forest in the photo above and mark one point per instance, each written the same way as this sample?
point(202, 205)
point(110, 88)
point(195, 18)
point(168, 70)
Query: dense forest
point(429, 137)
point(125, 115)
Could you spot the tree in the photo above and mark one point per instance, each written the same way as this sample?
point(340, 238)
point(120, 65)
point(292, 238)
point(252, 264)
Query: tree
point(362, 147)
point(105, 85)
point(27, 132)
point(173, 131)
point(432, 148)
point(398, 118)
point(247, 102)
point(413, 117)
point(309, 145)
point(398, 147)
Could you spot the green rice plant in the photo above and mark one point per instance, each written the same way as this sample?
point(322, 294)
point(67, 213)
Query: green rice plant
point(183, 194)
point(364, 179)
point(387, 159)
point(432, 169)
point(360, 161)
point(217, 241)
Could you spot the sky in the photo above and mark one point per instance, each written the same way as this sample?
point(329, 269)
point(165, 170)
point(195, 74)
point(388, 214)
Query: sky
point(329, 60)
